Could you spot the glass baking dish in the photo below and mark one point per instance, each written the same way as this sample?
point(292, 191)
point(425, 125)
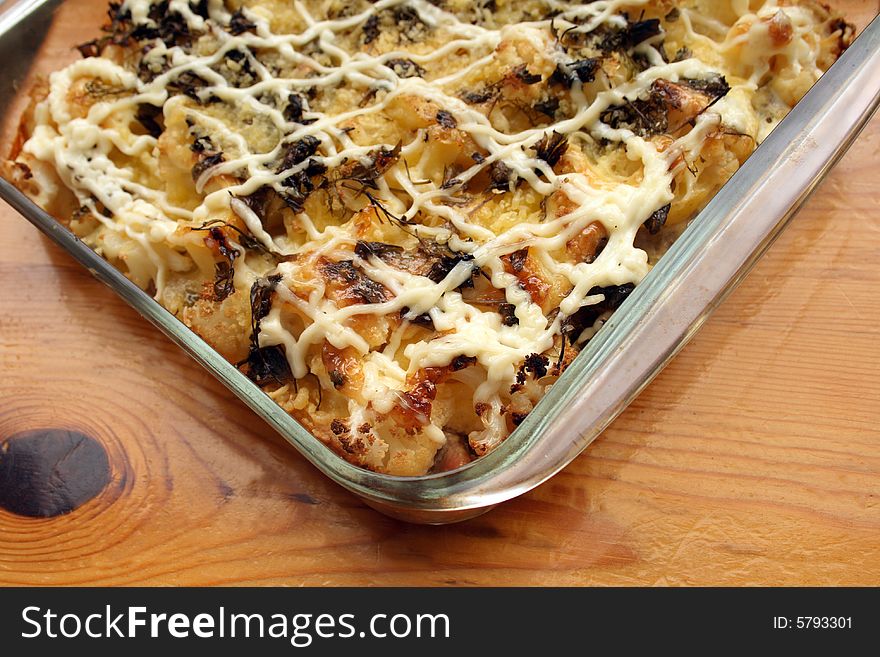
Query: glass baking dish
point(664, 312)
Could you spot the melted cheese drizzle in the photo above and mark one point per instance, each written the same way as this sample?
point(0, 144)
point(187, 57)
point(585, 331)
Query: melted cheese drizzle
point(79, 149)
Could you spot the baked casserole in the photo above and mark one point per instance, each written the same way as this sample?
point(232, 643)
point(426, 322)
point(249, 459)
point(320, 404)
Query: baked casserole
point(404, 219)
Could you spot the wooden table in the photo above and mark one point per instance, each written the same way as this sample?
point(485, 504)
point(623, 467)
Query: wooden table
point(754, 458)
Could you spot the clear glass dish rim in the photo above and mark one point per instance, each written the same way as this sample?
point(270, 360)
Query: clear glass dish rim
point(469, 490)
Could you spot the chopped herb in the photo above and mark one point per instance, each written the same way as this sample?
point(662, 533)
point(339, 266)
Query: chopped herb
point(119, 27)
point(442, 267)
point(600, 246)
point(682, 54)
point(658, 219)
point(609, 39)
point(298, 186)
point(537, 364)
point(551, 147)
point(354, 283)
point(170, 26)
point(523, 74)
point(379, 249)
point(202, 144)
point(548, 107)
point(431, 260)
point(149, 116)
point(337, 378)
point(586, 317)
point(462, 362)
point(266, 365)
point(261, 295)
point(561, 76)
point(258, 201)
point(205, 163)
point(151, 67)
point(298, 151)
point(581, 70)
point(248, 242)
point(223, 270)
point(645, 117)
point(640, 31)
point(380, 160)
point(293, 112)
point(405, 68)
point(200, 8)
point(382, 211)
point(239, 24)
point(235, 55)
point(237, 68)
point(500, 177)
point(223, 277)
point(371, 29)
point(189, 84)
point(409, 24)
point(715, 85)
point(508, 314)
point(518, 418)
point(650, 115)
point(517, 260)
point(446, 119)
point(478, 97)
point(424, 320)
point(585, 69)
point(92, 48)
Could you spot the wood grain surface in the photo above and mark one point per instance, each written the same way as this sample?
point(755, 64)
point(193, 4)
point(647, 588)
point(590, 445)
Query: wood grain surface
point(754, 458)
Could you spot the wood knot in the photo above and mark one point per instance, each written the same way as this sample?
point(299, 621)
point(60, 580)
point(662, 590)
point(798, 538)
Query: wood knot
point(50, 472)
